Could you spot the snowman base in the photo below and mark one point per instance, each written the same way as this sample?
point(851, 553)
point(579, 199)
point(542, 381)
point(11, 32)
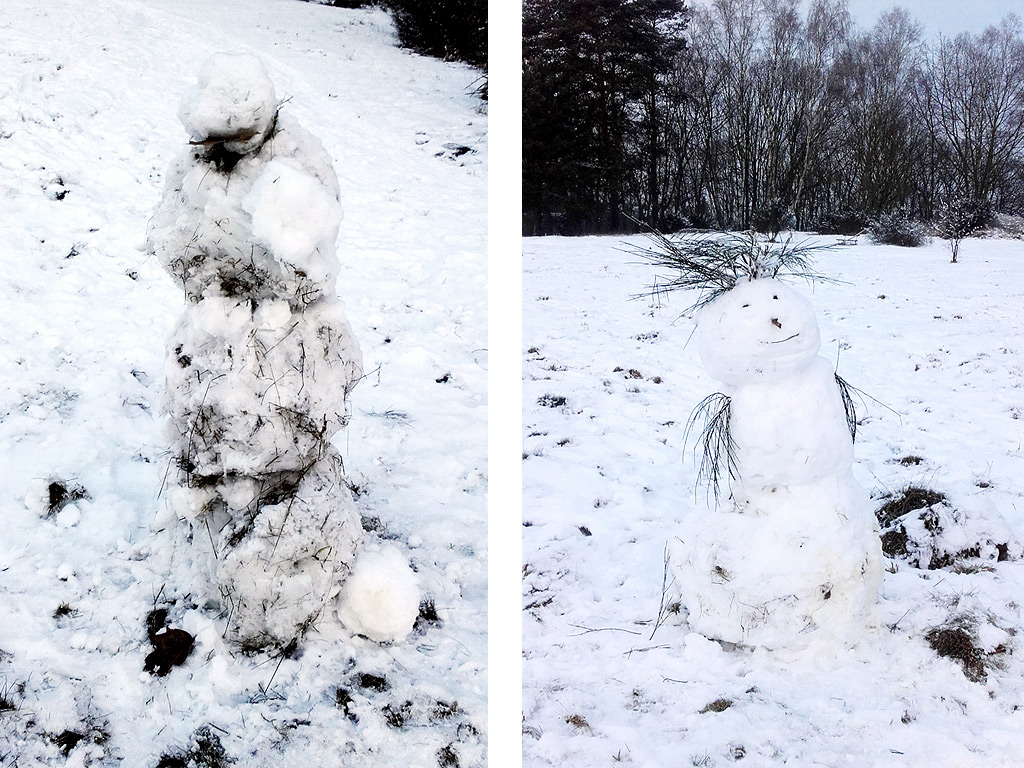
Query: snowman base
point(784, 568)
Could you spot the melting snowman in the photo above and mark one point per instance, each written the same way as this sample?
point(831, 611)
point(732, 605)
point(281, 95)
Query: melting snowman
point(794, 560)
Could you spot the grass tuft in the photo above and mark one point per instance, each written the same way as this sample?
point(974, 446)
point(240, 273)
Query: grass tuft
point(579, 722)
point(957, 641)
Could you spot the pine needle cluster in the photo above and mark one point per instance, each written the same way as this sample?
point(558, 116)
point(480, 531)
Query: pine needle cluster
point(712, 263)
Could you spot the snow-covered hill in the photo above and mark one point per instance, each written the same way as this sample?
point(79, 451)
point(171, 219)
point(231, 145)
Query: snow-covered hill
point(88, 101)
point(612, 675)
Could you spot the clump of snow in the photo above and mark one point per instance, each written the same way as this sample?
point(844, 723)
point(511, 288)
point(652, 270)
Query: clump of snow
point(257, 390)
point(381, 598)
point(785, 568)
point(278, 569)
point(232, 101)
point(938, 535)
point(264, 229)
point(292, 214)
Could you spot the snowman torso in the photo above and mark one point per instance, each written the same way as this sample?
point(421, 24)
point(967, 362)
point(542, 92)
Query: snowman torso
point(790, 430)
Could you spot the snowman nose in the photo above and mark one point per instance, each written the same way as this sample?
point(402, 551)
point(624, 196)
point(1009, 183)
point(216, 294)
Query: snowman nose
point(776, 323)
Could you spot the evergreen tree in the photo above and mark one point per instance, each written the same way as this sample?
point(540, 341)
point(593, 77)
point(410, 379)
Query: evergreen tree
point(592, 72)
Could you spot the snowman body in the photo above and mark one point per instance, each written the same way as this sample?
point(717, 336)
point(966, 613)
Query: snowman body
point(794, 558)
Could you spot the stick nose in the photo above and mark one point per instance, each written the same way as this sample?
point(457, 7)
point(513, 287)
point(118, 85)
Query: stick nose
point(776, 323)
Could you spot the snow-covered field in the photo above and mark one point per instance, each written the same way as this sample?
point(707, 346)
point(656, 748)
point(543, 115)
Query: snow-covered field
point(609, 382)
point(89, 95)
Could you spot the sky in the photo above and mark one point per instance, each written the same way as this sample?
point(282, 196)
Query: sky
point(947, 17)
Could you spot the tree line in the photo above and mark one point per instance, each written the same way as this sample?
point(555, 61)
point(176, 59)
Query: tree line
point(745, 114)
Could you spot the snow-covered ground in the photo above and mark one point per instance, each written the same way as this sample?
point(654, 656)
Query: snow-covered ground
point(609, 382)
point(89, 95)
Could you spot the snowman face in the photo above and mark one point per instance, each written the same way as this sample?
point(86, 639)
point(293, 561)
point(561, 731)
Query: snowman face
point(757, 330)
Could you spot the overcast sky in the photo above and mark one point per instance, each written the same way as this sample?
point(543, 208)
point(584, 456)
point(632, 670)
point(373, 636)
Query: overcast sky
point(948, 17)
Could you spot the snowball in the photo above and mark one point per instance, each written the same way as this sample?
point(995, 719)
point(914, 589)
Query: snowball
point(381, 599)
point(292, 213)
point(69, 517)
point(762, 328)
point(233, 99)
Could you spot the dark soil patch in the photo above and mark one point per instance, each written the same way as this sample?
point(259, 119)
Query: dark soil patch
point(428, 616)
point(552, 401)
point(171, 648)
point(447, 757)
point(718, 705)
point(63, 492)
point(956, 642)
point(396, 715)
point(444, 710)
point(345, 701)
point(894, 542)
point(372, 682)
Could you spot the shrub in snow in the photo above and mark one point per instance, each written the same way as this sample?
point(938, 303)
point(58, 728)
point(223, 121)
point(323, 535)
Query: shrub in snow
point(960, 218)
point(897, 228)
point(922, 528)
point(261, 362)
point(773, 217)
point(843, 222)
point(795, 556)
point(971, 636)
point(447, 29)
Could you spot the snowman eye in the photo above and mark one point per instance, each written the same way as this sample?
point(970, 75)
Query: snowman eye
point(745, 306)
point(775, 297)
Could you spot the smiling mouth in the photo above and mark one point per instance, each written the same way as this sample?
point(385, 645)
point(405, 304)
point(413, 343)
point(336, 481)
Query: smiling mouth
point(782, 341)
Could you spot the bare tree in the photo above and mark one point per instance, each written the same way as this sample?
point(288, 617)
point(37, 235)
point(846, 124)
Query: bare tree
point(973, 105)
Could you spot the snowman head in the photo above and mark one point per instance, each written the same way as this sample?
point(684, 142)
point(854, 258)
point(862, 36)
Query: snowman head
point(233, 103)
point(760, 329)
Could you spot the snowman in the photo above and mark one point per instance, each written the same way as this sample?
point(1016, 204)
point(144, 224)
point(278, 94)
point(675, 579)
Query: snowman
point(260, 363)
point(793, 559)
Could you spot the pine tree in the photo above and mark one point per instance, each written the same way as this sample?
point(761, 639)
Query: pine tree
point(592, 70)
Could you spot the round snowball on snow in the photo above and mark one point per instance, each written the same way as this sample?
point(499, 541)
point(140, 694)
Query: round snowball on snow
point(233, 100)
point(381, 599)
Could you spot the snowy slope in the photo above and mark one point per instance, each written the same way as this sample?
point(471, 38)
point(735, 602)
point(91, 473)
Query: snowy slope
point(608, 385)
point(88, 101)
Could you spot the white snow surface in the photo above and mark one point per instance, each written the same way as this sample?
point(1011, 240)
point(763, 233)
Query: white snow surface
point(611, 675)
point(88, 127)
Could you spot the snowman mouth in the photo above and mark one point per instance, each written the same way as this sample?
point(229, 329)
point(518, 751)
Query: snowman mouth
point(782, 341)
